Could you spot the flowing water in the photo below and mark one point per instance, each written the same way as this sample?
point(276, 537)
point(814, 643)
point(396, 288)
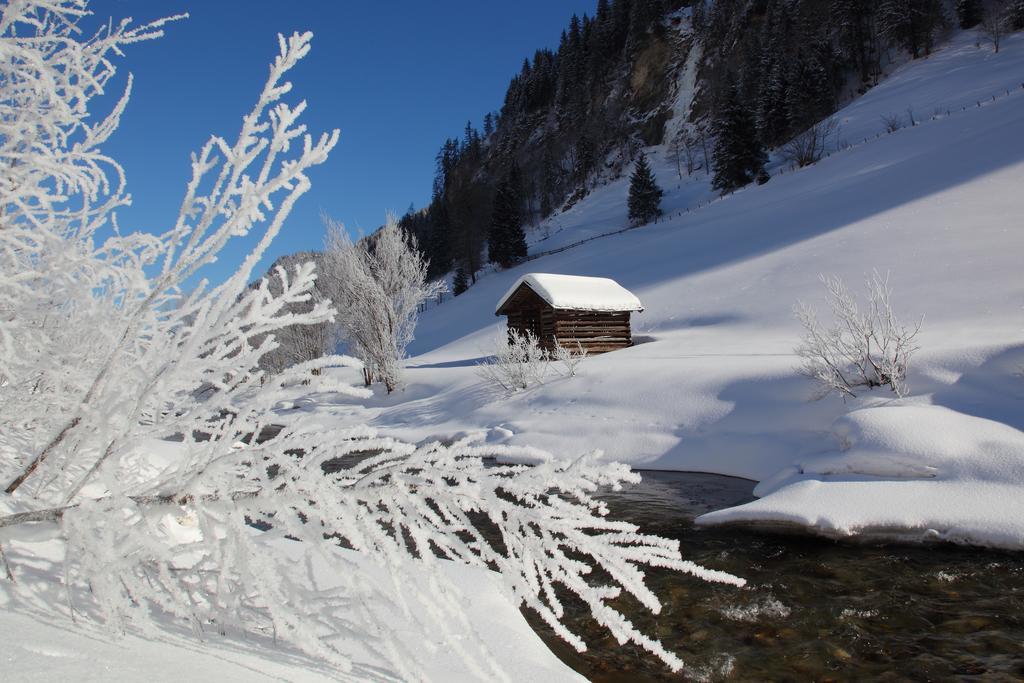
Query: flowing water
point(812, 609)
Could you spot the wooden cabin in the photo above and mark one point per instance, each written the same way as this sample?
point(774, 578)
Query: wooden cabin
point(592, 312)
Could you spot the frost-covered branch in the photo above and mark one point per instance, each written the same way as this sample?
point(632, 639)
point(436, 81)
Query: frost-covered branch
point(540, 526)
point(100, 337)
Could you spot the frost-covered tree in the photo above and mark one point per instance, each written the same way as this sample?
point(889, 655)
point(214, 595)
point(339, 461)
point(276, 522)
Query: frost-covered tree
point(863, 348)
point(300, 343)
point(644, 194)
point(101, 345)
point(129, 406)
point(377, 286)
point(518, 362)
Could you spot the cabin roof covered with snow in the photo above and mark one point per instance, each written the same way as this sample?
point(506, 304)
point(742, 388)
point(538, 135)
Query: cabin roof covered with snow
point(576, 292)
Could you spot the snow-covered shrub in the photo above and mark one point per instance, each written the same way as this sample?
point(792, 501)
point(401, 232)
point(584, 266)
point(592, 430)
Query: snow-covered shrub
point(377, 286)
point(863, 348)
point(568, 358)
point(129, 404)
point(892, 122)
point(517, 363)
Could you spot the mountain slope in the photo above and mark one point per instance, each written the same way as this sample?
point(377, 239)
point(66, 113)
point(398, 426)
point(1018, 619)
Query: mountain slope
point(712, 386)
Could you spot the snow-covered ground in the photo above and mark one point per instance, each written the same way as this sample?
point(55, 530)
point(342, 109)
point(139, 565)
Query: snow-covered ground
point(710, 384)
point(49, 646)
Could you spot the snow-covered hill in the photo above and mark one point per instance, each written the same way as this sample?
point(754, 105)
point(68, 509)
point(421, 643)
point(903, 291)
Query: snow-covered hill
point(710, 385)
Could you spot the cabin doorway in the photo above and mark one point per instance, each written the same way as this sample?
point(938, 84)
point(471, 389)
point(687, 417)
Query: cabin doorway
point(531, 322)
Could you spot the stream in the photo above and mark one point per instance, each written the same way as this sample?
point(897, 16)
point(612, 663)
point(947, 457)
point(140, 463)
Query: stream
point(812, 609)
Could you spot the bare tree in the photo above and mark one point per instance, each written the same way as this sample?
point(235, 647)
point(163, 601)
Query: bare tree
point(675, 153)
point(682, 149)
point(377, 286)
point(810, 146)
point(994, 23)
point(703, 137)
point(867, 349)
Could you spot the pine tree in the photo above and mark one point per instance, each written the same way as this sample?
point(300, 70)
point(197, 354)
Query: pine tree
point(584, 153)
point(572, 89)
point(809, 89)
point(910, 23)
point(1015, 15)
point(738, 157)
point(856, 34)
point(643, 15)
point(460, 283)
point(507, 241)
point(550, 179)
point(436, 245)
point(771, 114)
point(968, 13)
point(699, 17)
point(644, 193)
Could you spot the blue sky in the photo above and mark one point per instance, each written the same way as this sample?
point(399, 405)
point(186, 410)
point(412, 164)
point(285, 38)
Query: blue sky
point(396, 78)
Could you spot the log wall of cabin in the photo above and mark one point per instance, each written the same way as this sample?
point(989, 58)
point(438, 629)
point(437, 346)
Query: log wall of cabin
point(596, 332)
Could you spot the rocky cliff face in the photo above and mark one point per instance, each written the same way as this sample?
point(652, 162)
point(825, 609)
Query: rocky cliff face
point(642, 73)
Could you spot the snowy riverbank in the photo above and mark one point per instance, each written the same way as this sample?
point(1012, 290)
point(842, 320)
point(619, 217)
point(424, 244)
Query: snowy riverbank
point(913, 473)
